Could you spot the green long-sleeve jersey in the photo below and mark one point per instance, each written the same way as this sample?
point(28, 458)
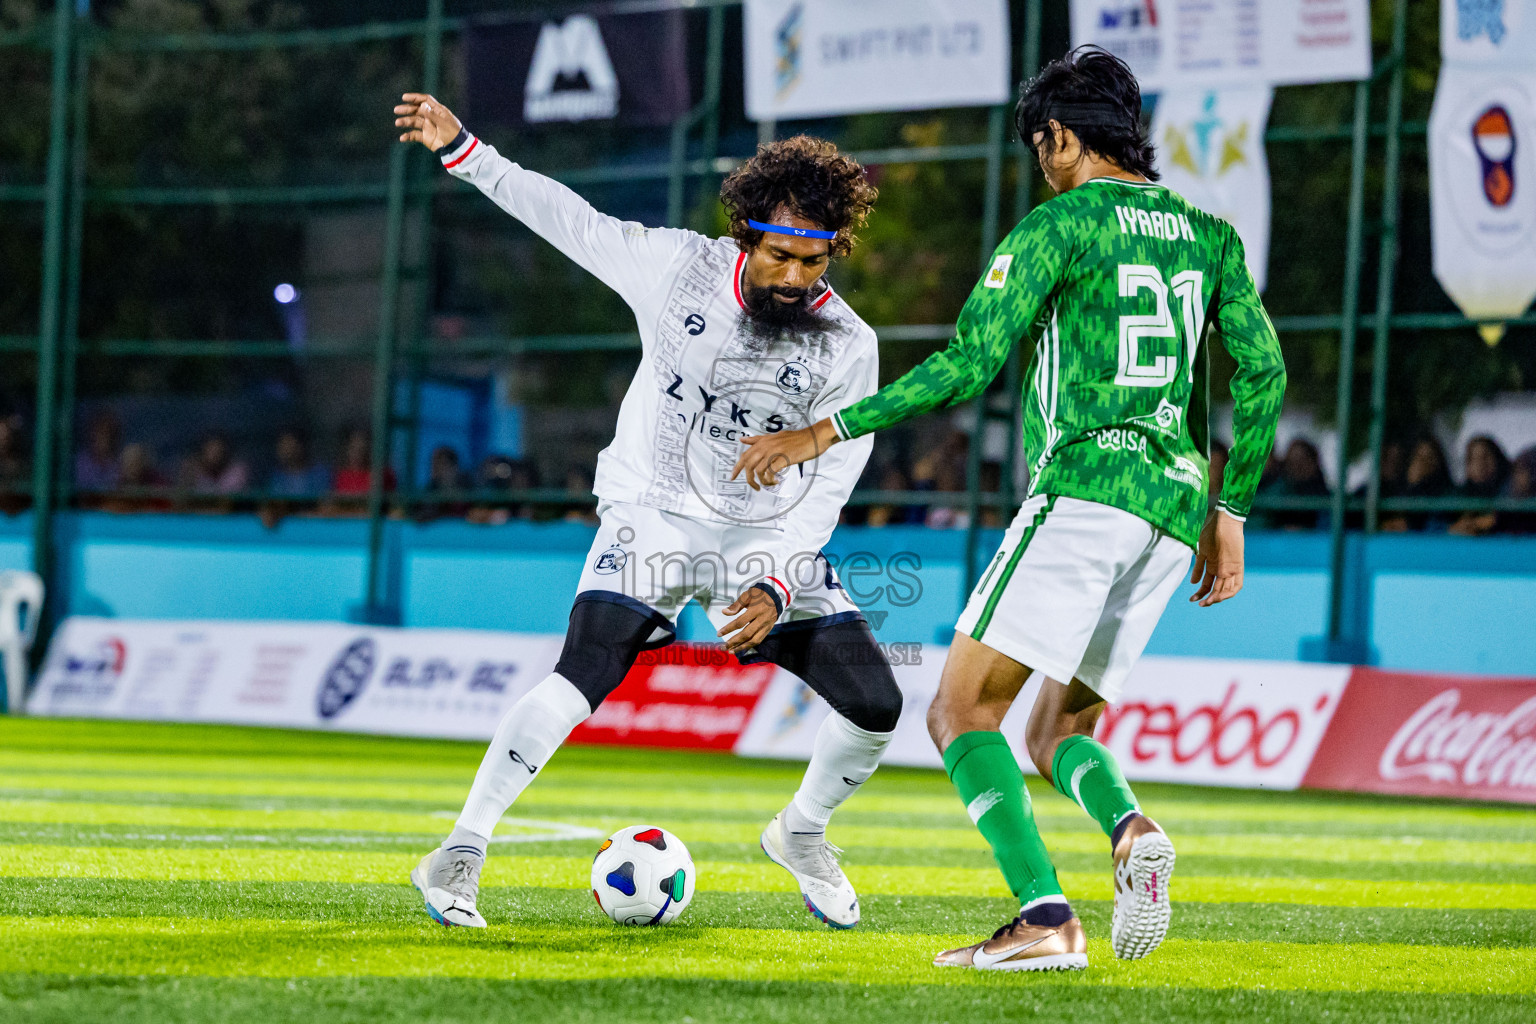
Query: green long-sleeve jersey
point(1115, 283)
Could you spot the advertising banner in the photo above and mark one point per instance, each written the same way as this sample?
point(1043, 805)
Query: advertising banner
point(682, 696)
point(1210, 146)
point(1482, 158)
point(1178, 43)
point(832, 57)
point(1444, 736)
point(585, 68)
point(454, 683)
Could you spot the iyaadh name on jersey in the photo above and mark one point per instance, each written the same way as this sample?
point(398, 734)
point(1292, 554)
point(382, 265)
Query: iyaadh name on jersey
point(1170, 227)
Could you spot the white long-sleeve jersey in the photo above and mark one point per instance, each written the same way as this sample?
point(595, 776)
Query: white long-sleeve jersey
point(706, 377)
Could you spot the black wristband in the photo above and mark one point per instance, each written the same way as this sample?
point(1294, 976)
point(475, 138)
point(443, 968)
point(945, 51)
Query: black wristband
point(773, 592)
point(458, 140)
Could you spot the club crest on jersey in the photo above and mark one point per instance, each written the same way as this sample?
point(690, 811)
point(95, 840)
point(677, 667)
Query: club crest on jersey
point(611, 560)
point(793, 378)
point(998, 275)
point(1165, 420)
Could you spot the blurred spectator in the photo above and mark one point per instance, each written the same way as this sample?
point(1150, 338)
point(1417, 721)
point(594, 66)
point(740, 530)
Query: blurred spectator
point(1216, 474)
point(15, 467)
point(1394, 483)
point(354, 476)
point(137, 470)
point(991, 483)
point(1487, 474)
point(943, 469)
point(296, 476)
point(1301, 476)
point(214, 471)
point(1426, 477)
point(1522, 484)
point(894, 479)
point(499, 473)
point(578, 484)
point(444, 475)
point(97, 465)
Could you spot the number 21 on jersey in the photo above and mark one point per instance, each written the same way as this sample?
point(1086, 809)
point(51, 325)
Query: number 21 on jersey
point(1141, 363)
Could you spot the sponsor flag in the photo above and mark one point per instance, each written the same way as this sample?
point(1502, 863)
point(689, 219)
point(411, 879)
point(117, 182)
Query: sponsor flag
point(1482, 159)
point(832, 57)
point(1176, 43)
point(633, 67)
point(1210, 150)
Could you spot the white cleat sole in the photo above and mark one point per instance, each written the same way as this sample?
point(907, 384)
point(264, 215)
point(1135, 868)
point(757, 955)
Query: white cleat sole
point(1142, 910)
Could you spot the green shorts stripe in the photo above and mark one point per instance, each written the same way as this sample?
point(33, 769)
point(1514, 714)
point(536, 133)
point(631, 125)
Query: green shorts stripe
point(1002, 581)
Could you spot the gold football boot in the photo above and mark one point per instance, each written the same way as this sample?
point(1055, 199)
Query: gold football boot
point(1017, 946)
point(1143, 863)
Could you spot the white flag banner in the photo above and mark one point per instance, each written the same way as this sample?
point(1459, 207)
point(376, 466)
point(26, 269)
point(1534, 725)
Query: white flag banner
point(1210, 147)
point(1482, 173)
point(832, 57)
point(1488, 33)
point(1177, 43)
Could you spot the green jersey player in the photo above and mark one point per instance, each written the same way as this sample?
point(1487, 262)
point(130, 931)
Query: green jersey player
point(1118, 282)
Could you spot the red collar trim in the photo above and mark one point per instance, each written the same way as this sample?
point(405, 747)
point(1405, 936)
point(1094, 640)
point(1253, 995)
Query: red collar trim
point(741, 263)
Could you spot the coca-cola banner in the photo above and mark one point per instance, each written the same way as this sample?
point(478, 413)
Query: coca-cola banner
point(1447, 736)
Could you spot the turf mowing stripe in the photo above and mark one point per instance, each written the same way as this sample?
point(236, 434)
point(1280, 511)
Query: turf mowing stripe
point(262, 948)
point(572, 872)
point(353, 903)
point(1396, 850)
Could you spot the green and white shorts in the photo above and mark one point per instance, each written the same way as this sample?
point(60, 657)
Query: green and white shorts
point(1076, 590)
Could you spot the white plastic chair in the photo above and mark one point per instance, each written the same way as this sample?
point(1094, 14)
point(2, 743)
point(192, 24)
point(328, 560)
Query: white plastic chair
point(21, 607)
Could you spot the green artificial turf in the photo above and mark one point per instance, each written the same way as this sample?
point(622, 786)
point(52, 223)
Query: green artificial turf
point(169, 873)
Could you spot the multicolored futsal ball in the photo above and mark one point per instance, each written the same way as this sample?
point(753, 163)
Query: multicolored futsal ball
point(642, 875)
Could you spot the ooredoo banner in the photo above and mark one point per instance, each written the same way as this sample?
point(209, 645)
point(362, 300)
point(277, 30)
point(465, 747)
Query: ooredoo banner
point(832, 57)
point(1447, 736)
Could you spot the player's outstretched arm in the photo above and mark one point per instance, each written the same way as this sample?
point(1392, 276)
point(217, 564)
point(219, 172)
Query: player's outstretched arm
point(426, 121)
point(768, 455)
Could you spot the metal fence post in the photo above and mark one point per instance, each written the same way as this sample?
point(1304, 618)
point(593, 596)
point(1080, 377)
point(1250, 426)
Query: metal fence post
point(997, 142)
point(64, 473)
point(49, 315)
point(1347, 337)
point(1386, 274)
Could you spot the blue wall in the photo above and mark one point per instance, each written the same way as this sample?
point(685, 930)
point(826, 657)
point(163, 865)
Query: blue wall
point(1430, 603)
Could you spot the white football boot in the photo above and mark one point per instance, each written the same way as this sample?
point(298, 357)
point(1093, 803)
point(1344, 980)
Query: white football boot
point(813, 861)
point(449, 880)
point(1143, 865)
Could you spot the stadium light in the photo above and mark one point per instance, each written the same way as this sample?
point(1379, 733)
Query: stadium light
point(285, 294)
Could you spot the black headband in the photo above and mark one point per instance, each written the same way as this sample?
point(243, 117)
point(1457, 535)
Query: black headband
point(1082, 115)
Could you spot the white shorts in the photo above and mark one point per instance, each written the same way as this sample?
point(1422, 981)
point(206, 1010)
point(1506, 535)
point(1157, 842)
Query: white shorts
point(1076, 590)
point(656, 562)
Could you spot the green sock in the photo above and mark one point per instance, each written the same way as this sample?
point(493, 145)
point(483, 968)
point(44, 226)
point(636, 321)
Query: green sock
point(984, 771)
point(1085, 772)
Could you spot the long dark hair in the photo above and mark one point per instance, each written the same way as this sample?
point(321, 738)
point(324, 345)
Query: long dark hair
point(1095, 94)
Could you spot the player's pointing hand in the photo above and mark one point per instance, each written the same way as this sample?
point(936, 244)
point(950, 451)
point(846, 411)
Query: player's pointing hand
point(768, 455)
point(426, 121)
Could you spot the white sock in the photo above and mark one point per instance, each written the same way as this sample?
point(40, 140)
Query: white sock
point(528, 734)
point(843, 757)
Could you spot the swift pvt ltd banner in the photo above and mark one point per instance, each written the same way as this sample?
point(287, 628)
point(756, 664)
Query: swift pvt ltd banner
point(1256, 724)
point(822, 58)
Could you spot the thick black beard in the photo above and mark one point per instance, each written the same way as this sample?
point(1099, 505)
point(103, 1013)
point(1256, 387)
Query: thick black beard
point(769, 319)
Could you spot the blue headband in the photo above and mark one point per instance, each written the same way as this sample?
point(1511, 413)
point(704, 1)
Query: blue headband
point(779, 229)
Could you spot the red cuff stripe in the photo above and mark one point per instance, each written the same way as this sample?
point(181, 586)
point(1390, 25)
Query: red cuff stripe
point(776, 582)
point(450, 165)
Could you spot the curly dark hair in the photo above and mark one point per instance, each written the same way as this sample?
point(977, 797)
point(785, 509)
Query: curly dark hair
point(811, 178)
point(1095, 94)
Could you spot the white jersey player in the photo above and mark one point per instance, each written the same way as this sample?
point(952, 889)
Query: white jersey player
point(739, 335)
